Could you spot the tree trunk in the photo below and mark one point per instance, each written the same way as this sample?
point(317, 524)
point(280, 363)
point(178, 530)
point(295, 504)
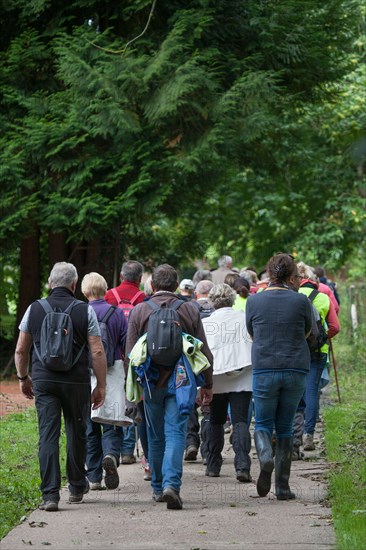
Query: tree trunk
point(57, 249)
point(30, 274)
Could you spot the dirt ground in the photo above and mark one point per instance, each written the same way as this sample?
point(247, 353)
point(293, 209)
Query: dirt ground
point(11, 399)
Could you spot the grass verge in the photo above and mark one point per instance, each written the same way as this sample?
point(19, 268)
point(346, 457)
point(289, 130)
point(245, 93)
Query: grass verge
point(19, 470)
point(345, 439)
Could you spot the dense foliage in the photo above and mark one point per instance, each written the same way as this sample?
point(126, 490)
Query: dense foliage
point(171, 130)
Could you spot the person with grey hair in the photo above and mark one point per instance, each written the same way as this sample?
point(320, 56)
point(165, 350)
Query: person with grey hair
point(62, 391)
point(225, 264)
point(129, 290)
point(201, 275)
point(230, 344)
point(194, 439)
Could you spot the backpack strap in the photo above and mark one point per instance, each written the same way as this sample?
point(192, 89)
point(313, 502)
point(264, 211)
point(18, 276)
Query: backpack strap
point(108, 314)
point(136, 297)
point(175, 305)
point(49, 309)
point(116, 295)
point(313, 294)
point(153, 305)
point(45, 305)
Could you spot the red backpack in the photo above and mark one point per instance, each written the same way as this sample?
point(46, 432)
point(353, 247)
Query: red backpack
point(126, 305)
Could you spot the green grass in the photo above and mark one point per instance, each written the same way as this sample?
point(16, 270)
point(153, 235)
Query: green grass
point(345, 438)
point(19, 470)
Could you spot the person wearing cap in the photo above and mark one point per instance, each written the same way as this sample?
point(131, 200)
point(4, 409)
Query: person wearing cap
point(186, 289)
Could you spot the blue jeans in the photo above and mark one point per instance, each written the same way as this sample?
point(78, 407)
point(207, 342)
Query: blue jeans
point(276, 397)
point(167, 431)
point(102, 439)
point(128, 442)
point(317, 364)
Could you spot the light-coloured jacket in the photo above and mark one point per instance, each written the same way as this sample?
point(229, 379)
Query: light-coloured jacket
point(228, 339)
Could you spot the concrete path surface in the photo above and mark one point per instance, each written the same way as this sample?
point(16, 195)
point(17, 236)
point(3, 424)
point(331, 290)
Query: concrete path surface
point(219, 513)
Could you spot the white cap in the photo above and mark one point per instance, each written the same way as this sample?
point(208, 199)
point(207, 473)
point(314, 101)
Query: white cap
point(186, 284)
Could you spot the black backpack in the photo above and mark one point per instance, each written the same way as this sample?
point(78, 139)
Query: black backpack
point(106, 336)
point(318, 336)
point(57, 338)
point(164, 334)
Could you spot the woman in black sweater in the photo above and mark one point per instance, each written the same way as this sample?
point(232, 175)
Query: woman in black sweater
point(278, 320)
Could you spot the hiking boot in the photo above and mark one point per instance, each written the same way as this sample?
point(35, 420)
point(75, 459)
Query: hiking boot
point(128, 459)
point(227, 427)
point(309, 442)
point(95, 485)
point(78, 497)
point(172, 498)
point(297, 454)
point(212, 474)
point(191, 453)
point(49, 506)
point(158, 496)
point(243, 476)
point(111, 478)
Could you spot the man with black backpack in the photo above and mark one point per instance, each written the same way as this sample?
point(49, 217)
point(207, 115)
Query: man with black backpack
point(63, 331)
point(164, 317)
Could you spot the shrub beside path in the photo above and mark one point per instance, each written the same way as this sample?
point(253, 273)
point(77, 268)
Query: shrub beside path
point(219, 513)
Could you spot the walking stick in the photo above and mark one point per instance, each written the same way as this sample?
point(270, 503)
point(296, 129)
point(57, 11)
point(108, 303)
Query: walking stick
point(335, 369)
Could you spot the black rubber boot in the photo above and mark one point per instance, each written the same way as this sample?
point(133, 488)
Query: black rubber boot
point(283, 468)
point(215, 444)
point(263, 444)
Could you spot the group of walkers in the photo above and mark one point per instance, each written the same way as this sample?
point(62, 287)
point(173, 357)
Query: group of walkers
point(260, 346)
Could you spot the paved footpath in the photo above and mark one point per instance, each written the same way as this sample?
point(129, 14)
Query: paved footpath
point(219, 513)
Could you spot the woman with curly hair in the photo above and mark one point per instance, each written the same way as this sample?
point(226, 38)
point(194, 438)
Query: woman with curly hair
point(278, 320)
point(230, 344)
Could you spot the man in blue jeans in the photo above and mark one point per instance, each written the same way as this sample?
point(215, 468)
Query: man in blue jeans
point(166, 427)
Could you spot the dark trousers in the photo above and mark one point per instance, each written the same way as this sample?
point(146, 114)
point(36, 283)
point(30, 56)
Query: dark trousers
point(193, 429)
point(73, 400)
point(239, 406)
point(194, 435)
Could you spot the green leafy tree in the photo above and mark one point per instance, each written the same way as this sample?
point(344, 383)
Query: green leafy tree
point(160, 130)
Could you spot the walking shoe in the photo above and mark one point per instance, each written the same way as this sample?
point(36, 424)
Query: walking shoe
point(111, 478)
point(78, 497)
point(204, 461)
point(158, 497)
point(243, 476)
point(95, 485)
point(172, 498)
point(49, 506)
point(227, 427)
point(212, 474)
point(191, 453)
point(128, 459)
point(309, 442)
point(297, 454)
point(147, 470)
